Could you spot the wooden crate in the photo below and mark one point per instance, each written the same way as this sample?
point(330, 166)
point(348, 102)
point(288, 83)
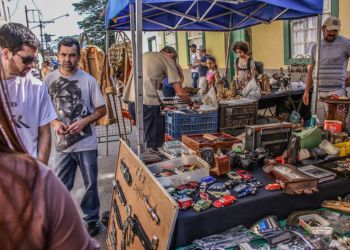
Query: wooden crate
point(191, 142)
point(143, 184)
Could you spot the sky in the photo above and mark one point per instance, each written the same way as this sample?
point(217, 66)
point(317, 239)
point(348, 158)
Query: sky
point(50, 9)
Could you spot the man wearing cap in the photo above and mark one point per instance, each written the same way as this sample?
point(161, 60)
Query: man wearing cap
point(334, 58)
point(194, 68)
point(156, 67)
point(202, 69)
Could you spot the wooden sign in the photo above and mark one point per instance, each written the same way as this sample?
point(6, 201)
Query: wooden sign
point(144, 206)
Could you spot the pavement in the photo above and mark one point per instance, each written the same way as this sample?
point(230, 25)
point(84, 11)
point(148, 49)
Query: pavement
point(106, 164)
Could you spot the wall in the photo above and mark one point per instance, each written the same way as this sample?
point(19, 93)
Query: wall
point(267, 44)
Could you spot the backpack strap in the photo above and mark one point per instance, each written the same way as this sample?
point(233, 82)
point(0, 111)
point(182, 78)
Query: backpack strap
point(248, 63)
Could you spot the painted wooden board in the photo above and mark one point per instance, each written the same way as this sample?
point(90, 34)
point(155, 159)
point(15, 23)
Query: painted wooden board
point(143, 185)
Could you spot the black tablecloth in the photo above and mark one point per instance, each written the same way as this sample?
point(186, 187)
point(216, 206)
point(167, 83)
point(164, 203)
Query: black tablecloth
point(191, 225)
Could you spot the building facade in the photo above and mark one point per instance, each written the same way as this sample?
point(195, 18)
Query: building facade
point(276, 44)
point(5, 15)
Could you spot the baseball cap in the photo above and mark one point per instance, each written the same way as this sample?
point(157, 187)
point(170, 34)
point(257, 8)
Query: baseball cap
point(332, 23)
point(201, 48)
point(193, 45)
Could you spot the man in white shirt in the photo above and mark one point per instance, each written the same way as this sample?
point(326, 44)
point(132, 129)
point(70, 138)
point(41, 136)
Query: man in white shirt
point(27, 97)
point(193, 66)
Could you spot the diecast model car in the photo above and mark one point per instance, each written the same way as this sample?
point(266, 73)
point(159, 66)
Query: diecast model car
point(234, 176)
point(185, 202)
point(244, 174)
point(208, 179)
point(247, 190)
point(231, 183)
point(203, 187)
point(218, 190)
point(273, 186)
point(202, 205)
point(224, 201)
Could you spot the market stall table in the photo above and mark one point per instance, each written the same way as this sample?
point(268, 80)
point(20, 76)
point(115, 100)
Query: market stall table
point(191, 225)
point(277, 99)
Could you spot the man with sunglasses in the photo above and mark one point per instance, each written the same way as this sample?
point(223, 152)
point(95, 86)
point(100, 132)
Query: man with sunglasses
point(31, 106)
point(334, 58)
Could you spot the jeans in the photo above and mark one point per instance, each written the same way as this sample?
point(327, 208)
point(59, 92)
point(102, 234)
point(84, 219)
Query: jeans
point(195, 78)
point(65, 168)
point(153, 124)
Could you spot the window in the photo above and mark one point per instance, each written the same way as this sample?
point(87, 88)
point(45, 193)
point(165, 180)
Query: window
point(301, 34)
point(304, 36)
point(170, 39)
point(152, 44)
point(195, 37)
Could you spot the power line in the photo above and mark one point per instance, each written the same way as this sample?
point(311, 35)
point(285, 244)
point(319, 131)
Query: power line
point(36, 6)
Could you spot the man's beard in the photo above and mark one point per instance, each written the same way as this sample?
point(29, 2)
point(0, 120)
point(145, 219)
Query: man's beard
point(330, 38)
point(14, 70)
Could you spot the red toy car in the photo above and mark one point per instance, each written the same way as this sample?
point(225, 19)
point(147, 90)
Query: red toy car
point(244, 174)
point(185, 203)
point(224, 201)
point(273, 186)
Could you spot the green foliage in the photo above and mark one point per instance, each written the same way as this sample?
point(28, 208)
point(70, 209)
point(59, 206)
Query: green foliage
point(93, 22)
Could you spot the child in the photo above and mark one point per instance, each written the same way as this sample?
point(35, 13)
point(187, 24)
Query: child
point(213, 73)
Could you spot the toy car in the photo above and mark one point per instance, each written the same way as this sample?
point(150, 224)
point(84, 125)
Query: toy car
point(185, 202)
point(234, 176)
point(218, 190)
point(170, 190)
point(224, 201)
point(231, 183)
point(254, 183)
point(202, 205)
point(193, 185)
point(204, 196)
point(244, 174)
point(208, 179)
point(247, 191)
point(203, 187)
point(273, 186)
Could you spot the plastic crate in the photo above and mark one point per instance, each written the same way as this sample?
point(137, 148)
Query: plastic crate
point(178, 124)
point(237, 116)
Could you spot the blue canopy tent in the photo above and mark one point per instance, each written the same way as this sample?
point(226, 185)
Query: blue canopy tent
point(201, 15)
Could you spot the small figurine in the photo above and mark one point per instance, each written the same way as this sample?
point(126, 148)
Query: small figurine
point(185, 202)
point(202, 205)
point(224, 201)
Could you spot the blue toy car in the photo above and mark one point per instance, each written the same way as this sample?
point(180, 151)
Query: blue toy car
point(208, 179)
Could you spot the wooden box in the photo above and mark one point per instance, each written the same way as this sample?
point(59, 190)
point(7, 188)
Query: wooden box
point(196, 142)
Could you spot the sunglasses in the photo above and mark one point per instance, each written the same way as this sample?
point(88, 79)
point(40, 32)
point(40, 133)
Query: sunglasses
point(27, 60)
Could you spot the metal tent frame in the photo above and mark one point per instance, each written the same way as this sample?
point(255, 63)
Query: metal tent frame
point(203, 15)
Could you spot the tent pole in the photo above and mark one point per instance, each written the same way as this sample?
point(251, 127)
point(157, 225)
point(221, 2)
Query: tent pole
point(317, 73)
point(139, 78)
point(137, 74)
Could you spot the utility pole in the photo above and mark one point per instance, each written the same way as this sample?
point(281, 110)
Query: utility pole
point(40, 23)
point(26, 10)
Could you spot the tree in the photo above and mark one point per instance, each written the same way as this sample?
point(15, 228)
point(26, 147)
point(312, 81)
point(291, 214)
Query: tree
point(93, 23)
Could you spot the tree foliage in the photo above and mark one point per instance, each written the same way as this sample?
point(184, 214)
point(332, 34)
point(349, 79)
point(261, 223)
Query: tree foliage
point(93, 22)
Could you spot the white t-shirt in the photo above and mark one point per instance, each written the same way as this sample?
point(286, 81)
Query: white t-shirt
point(31, 108)
point(74, 98)
point(194, 58)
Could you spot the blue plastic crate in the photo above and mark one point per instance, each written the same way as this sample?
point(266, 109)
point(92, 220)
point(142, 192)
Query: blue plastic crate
point(178, 124)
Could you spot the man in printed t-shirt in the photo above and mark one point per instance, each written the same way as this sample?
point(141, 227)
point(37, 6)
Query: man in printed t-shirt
point(78, 102)
point(27, 97)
